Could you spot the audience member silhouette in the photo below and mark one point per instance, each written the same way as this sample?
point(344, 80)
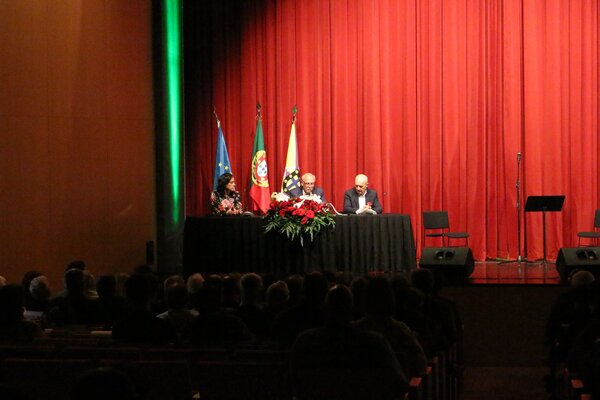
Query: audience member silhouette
point(339, 361)
point(440, 310)
point(250, 310)
point(582, 358)
point(214, 325)
point(409, 306)
point(568, 316)
point(232, 292)
point(178, 315)
point(140, 325)
point(358, 287)
point(294, 284)
point(76, 264)
point(113, 305)
point(194, 283)
point(89, 281)
point(308, 314)
point(26, 281)
point(13, 326)
point(277, 296)
point(380, 309)
point(74, 308)
point(39, 289)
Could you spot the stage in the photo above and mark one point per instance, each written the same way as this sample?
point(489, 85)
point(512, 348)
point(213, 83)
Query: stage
point(513, 273)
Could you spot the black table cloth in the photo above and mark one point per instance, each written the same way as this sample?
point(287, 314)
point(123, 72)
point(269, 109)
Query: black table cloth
point(356, 244)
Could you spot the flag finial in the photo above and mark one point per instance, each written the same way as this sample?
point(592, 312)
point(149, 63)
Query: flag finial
point(215, 113)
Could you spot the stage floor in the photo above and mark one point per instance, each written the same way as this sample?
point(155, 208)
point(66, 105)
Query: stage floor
point(513, 273)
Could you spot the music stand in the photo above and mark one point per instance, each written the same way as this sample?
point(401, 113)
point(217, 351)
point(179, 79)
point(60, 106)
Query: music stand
point(544, 204)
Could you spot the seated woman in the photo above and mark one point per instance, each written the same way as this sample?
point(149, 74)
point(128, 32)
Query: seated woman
point(226, 200)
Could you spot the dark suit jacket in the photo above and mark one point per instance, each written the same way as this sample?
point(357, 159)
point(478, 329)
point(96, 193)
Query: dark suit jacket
point(297, 192)
point(351, 201)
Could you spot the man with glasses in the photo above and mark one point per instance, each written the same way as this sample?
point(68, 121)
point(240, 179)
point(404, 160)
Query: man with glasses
point(308, 188)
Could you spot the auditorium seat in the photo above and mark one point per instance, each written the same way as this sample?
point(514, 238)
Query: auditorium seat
point(156, 380)
point(43, 379)
point(344, 383)
point(240, 380)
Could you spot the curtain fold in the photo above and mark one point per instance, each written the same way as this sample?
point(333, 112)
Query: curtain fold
point(432, 99)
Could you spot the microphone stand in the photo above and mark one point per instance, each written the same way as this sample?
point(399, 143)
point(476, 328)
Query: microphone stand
point(520, 258)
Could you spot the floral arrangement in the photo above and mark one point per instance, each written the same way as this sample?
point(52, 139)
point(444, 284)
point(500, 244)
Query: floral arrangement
point(298, 217)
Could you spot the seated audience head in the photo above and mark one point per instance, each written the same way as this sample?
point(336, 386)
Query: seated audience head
point(12, 304)
point(314, 289)
point(380, 297)
point(294, 284)
point(177, 297)
point(226, 183)
point(140, 290)
point(89, 282)
point(251, 286)
point(580, 277)
point(106, 285)
point(278, 294)
point(75, 282)
point(194, 282)
point(172, 281)
point(210, 297)
point(28, 277)
point(77, 264)
point(102, 384)
point(2, 281)
point(423, 279)
point(358, 287)
point(338, 306)
point(331, 277)
point(232, 290)
point(39, 288)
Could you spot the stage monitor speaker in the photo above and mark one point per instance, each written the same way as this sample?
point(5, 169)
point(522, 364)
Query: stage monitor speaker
point(570, 259)
point(453, 262)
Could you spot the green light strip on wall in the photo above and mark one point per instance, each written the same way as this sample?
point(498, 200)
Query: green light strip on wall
point(172, 62)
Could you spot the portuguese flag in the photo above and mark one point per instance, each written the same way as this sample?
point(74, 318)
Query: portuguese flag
point(260, 193)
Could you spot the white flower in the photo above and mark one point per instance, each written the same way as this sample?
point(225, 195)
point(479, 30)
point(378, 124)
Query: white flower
point(280, 196)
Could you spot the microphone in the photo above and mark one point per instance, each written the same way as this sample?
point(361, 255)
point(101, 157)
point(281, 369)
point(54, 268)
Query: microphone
point(519, 156)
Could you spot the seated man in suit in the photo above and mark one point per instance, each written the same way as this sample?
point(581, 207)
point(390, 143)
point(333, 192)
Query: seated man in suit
point(361, 200)
point(308, 188)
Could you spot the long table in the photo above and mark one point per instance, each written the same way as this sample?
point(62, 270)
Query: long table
point(357, 244)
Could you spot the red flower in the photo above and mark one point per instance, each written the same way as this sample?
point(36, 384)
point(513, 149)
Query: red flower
point(299, 211)
point(310, 214)
point(369, 203)
point(304, 221)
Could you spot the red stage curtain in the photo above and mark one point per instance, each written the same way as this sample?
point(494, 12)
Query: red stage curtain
point(432, 99)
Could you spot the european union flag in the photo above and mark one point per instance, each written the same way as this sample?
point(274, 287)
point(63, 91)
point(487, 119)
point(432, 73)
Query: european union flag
point(222, 163)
